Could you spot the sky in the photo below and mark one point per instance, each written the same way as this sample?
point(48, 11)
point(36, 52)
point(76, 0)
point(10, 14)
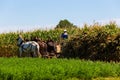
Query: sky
point(23, 15)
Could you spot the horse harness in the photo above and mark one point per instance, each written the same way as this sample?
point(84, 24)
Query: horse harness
point(26, 48)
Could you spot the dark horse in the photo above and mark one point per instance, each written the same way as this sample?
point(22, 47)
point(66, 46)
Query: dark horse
point(51, 48)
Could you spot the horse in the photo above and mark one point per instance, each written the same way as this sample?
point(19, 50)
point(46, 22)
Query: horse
point(43, 47)
point(28, 47)
point(51, 48)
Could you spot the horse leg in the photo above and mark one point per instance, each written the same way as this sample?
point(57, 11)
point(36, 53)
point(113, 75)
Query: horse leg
point(31, 54)
point(38, 51)
point(20, 53)
point(38, 54)
point(34, 54)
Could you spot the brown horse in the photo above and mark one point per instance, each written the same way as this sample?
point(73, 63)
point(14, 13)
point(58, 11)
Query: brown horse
point(49, 48)
point(43, 47)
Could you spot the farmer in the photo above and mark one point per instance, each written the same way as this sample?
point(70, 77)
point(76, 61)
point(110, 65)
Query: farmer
point(64, 35)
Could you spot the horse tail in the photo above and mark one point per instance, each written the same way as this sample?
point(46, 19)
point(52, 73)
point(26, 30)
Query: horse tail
point(38, 50)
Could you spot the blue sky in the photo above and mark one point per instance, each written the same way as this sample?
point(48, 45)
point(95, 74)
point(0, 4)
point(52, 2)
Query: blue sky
point(31, 14)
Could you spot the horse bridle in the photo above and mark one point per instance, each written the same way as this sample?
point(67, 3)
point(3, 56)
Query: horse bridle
point(20, 42)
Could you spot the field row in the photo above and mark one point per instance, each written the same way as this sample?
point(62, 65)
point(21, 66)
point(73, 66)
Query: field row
point(55, 69)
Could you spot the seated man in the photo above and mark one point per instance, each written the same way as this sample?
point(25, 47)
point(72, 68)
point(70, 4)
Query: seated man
point(64, 35)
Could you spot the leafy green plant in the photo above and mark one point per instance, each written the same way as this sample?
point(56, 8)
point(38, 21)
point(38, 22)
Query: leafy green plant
point(57, 69)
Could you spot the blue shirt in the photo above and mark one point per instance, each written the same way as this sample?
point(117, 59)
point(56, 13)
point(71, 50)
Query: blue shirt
point(64, 35)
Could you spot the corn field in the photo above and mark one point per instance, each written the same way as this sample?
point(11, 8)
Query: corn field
point(95, 42)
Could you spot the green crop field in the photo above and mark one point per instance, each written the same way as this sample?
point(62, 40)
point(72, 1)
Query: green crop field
point(56, 69)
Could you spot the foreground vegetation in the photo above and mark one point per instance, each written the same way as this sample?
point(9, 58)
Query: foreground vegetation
point(56, 69)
